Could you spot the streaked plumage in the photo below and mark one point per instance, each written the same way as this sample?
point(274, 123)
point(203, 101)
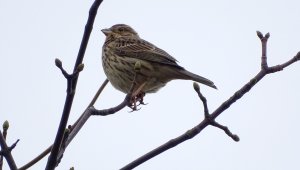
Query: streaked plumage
point(123, 48)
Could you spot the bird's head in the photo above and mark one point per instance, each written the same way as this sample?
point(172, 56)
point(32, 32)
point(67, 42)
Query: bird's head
point(119, 30)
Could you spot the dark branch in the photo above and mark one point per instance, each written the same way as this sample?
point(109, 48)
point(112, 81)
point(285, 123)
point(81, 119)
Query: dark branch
point(9, 149)
point(92, 111)
point(112, 110)
point(58, 64)
point(6, 152)
point(52, 160)
point(211, 118)
point(263, 39)
point(83, 118)
point(5, 127)
point(208, 118)
point(226, 130)
point(37, 159)
point(202, 98)
point(98, 93)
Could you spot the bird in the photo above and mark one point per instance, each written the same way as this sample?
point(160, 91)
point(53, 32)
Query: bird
point(123, 48)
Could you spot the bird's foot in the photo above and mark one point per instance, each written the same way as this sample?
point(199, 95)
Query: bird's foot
point(140, 98)
point(136, 101)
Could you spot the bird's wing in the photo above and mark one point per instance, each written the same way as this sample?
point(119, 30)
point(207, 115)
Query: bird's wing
point(144, 50)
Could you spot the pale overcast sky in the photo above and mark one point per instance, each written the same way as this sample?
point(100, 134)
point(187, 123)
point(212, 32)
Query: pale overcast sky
point(216, 39)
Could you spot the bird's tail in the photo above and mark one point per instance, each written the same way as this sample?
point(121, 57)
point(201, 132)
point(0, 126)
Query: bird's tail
point(191, 76)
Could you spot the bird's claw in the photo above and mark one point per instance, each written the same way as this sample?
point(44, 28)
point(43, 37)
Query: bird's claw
point(134, 109)
point(133, 106)
point(136, 101)
point(142, 103)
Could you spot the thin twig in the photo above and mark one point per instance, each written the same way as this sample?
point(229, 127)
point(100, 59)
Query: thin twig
point(98, 93)
point(226, 130)
point(92, 111)
point(112, 110)
point(36, 159)
point(93, 101)
point(72, 135)
point(5, 127)
point(6, 152)
point(208, 117)
point(202, 98)
point(85, 116)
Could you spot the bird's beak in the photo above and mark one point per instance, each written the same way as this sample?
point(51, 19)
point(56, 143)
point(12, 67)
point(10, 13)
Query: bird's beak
point(106, 31)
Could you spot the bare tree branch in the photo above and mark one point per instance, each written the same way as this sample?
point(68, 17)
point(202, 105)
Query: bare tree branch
point(92, 111)
point(6, 152)
point(36, 159)
point(208, 116)
point(52, 160)
point(236, 96)
point(85, 116)
point(71, 135)
point(98, 93)
point(5, 127)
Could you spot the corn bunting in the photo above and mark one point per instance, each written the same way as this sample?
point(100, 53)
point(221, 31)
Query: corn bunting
point(123, 48)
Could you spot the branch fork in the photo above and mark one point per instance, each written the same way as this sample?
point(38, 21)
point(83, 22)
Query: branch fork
point(6, 150)
point(208, 118)
point(70, 77)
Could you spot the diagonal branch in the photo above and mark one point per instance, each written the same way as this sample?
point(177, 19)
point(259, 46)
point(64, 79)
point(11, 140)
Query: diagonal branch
point(236, 96)
point(71, 135)
point(52, 160)
point(208, 117)
point(85, 116)
point(92, 111)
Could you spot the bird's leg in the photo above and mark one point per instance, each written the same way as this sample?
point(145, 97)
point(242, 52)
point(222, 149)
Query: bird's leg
point(140, 98)
point(138, 90)
point(137, 96)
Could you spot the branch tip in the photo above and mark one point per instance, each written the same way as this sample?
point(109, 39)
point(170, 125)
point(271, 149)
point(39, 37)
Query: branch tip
point(15, 144)
point(267, 35)
point(196, 87)
point(298, 56)
point(58, 63)
point(5, 125)
point(225, 129)
point(259, 34)
point(235, 138)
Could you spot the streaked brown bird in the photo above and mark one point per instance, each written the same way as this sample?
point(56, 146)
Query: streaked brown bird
point(123, 48)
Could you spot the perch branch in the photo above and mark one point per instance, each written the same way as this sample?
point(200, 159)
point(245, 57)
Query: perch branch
point(92, 111)
point(236, 96)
